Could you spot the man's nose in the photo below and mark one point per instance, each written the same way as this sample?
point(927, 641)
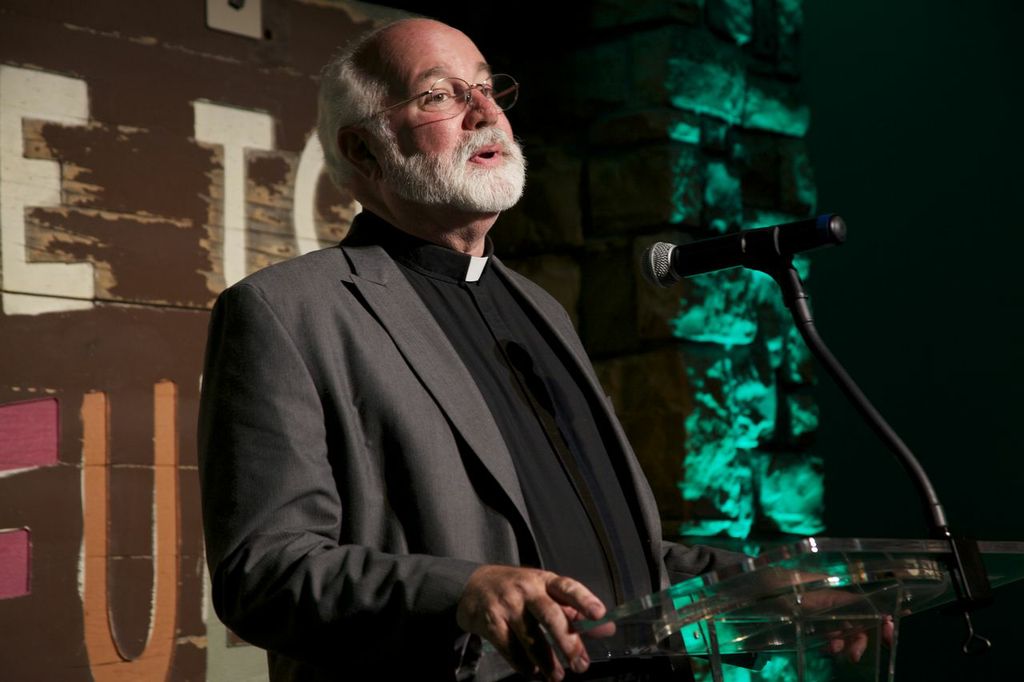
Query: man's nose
point(481, 111)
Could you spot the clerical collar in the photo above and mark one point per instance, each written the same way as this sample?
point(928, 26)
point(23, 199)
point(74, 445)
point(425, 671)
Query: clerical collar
point(425, 257)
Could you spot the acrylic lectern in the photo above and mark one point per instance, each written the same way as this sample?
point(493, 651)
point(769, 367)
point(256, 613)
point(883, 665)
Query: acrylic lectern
point(791, 602)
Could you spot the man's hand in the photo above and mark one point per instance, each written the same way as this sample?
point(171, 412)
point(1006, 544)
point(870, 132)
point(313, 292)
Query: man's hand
point(513, 607)
point(818, 597)
point(854, 645)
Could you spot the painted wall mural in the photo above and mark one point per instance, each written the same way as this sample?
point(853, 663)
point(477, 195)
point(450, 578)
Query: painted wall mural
point(146, 162)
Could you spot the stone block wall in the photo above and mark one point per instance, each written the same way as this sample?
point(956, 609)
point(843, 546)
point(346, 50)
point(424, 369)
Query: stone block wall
point(675, 121)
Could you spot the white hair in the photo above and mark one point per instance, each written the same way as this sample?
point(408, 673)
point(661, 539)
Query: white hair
point(352, 88)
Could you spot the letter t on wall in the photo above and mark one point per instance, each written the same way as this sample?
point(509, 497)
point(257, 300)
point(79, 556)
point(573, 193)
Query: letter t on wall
point(236, 130)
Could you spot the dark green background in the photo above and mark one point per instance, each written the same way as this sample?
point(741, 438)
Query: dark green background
point(916, 139)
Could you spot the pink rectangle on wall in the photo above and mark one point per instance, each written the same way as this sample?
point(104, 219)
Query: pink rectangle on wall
point(15, 560)
point(28, 434)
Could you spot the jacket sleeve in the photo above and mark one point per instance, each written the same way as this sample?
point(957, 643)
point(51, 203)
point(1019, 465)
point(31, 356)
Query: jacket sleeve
point(273, 518)
point(686, 561)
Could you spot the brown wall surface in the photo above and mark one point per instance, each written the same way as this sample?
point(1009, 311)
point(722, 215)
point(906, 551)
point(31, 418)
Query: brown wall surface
point(130, 135)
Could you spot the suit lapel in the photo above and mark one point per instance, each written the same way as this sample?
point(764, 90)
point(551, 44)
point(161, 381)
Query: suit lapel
point(434, 360)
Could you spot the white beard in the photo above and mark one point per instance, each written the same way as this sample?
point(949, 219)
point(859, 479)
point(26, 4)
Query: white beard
point(449, 180)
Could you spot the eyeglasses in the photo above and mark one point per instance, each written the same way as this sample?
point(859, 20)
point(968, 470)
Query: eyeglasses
point(452, 95)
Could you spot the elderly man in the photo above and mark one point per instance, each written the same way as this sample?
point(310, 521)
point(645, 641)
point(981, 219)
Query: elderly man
point(403, 447)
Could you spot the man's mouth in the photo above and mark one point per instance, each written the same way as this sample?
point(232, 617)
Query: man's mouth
point(488, 155)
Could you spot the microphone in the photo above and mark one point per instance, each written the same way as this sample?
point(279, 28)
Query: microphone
point(665, 264)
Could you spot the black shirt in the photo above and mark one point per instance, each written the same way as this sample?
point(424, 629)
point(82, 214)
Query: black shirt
point(581, 519)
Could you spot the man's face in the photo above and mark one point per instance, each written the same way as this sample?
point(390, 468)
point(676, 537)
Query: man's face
point(465, 160)
point(452, 178)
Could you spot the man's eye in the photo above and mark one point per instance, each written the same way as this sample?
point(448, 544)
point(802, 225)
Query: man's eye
point(438, 97)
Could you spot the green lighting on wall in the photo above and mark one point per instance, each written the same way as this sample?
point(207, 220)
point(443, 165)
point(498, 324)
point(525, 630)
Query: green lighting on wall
point(744, 342)
point(706, 87)
point(734, 411)
point(681, 131)
point(742, 164)
point(684, 182)
point(717, 310)
point(792, 493)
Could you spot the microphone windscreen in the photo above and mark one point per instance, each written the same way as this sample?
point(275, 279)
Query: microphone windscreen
point(656, 265)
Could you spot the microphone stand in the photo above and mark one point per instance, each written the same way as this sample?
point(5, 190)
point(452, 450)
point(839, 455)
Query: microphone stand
point(970, 580)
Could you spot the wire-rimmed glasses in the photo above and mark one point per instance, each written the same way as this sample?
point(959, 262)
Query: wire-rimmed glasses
point(452, 95)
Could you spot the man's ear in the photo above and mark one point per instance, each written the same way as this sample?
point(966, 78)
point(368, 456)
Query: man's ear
point(353, 147)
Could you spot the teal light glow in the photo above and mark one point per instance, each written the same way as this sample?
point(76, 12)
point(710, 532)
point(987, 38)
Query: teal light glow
point(774, 345)
point(705, 87)
point(803, 415)
point(797, 357)
point(790, 16)
point(783, 669)
point(718, 480)
point(681, 131)
point(734, 17)
point(803, 176)
point(734, 411)
point(722, 196)
point(766, 110)
point(792, 493)
point(779, 668)
point(685, 179)
point(718, 310)
point(728, 479)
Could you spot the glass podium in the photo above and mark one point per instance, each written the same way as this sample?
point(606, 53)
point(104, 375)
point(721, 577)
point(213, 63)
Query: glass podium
point(793, 602)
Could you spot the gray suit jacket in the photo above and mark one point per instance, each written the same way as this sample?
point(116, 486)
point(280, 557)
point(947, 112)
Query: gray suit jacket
point(352, 475)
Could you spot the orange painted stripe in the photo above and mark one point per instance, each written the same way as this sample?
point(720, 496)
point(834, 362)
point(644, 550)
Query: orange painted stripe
point(106, 664)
